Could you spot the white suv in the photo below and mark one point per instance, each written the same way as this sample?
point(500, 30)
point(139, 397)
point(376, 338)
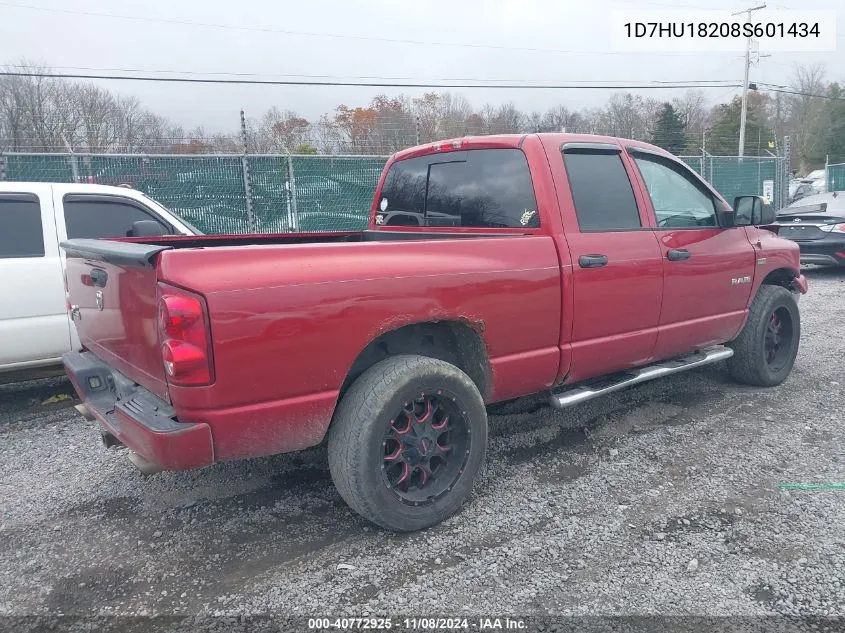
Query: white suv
point(35, 327)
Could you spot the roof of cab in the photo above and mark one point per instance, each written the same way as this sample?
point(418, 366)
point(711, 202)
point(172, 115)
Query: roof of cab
point(515, 141)
point(78, 187)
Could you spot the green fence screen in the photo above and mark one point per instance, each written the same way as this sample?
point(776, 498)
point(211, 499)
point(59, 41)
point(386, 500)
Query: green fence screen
point(732, 176)
point(37, 168)
point(836, 177)
point(300, 193)
point(296, 193)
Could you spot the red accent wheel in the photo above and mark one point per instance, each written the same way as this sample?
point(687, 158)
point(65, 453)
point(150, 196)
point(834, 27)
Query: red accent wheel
point(425, 449)
point(777, 342)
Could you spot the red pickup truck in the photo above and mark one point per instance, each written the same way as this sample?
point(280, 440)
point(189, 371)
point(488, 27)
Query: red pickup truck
point(492, 268)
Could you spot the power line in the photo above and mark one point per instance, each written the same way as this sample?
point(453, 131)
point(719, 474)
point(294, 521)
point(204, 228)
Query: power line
point(190, 73)
point(788, 91)
point(370, 84)
point(260, 29)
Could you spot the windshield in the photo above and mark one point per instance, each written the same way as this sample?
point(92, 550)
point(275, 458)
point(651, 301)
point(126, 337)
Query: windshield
point(187, 224)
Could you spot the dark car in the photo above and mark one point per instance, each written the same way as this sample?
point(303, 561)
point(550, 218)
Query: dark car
point(817, 225)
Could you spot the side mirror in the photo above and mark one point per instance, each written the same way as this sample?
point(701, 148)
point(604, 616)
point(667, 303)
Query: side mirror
point(752, 211)
point(768, 215)
point(146, 228)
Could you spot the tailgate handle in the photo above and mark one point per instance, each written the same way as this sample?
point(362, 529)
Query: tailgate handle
point(99, 277)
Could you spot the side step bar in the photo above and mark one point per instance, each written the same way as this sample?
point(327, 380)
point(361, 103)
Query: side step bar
point(615, 382)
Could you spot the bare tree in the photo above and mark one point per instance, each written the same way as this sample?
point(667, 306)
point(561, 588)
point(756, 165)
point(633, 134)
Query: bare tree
point(807, 114)
point(503, 119)
point(628, 115)
point(534, 122)
point(329, 135)
point(54, 115)
point(35, 110)
point(99, 118)
point(443, 115)
point(692, 109)
point(561, 119)
point(278, 131)
point(454, 114)
point(393, 127)
point(13, 122)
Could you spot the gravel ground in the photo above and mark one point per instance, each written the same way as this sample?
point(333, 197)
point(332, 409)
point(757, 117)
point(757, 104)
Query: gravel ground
point(662, 499)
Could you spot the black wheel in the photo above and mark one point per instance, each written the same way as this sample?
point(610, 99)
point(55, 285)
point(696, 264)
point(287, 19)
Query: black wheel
point(765, 350)
point(406, 442)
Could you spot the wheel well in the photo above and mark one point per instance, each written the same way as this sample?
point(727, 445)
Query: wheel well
point(450, 341)
point(780, 277)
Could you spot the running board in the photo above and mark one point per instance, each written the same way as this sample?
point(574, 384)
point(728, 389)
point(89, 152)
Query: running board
point(615, 382)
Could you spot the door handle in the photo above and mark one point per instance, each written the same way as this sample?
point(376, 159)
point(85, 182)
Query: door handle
point(677, 254)
point(592, 261)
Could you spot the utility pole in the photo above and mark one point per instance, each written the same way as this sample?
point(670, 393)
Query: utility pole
point(744, 113)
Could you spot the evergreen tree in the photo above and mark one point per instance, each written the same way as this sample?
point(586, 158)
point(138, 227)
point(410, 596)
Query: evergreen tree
point(723, 139)
point(669, 130)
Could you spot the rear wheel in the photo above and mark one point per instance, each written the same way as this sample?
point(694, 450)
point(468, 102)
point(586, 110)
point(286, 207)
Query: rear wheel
point(407, 441)
point(765, 350)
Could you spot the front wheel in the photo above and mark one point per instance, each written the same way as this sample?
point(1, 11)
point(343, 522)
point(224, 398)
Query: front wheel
point(765, 350)
point(407, 441)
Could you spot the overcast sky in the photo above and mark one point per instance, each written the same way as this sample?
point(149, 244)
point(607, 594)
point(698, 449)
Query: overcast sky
point(64, 40)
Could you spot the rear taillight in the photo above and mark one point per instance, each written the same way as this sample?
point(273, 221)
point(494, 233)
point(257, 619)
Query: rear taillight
point(184, 335)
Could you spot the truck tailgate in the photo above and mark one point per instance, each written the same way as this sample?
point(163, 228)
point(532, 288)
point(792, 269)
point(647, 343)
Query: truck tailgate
point(112, 292)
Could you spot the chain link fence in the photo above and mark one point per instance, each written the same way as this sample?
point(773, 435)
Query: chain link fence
point(733, 176)
point(280, 193)
point(215, 193)
point(836, 177)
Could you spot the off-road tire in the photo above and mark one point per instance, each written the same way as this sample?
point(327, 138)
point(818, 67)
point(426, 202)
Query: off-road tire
point(357, 443)
point(749, 363)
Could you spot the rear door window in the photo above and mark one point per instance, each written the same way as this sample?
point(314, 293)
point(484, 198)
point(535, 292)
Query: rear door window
point(95, 218)
point(601, 190)
point(21, 232)
point(488, 188)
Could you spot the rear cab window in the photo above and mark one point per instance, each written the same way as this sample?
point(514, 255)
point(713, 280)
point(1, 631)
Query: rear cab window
point(482, 188)
point(21, 231)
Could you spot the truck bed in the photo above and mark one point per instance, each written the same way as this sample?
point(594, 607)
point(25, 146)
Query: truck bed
point(288, 316)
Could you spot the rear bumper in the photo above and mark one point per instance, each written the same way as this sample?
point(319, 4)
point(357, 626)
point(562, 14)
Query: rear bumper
point(829, 251)
point(821, 259)
point(141, 421)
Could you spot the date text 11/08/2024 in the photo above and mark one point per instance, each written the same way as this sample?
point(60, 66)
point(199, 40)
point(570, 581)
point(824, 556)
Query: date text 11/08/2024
point(417, 624)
